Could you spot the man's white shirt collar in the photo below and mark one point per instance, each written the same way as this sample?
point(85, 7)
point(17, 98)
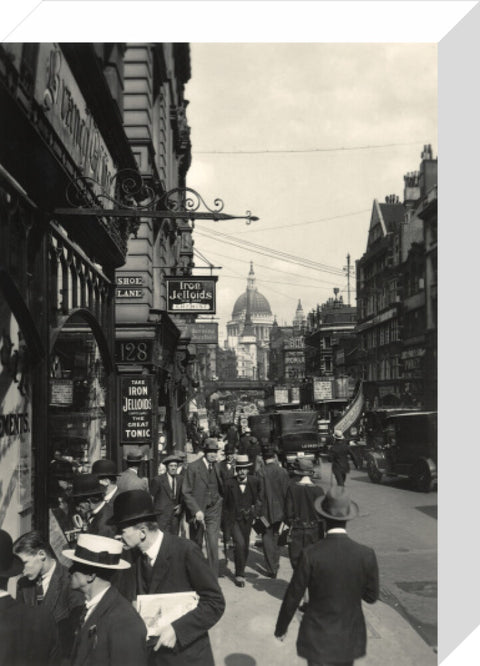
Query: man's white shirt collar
point(152, 552)
point(46, 578)
point(93, 603)
point(337, 530)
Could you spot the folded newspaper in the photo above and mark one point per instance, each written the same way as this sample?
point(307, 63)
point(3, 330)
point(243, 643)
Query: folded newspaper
point(159, 610)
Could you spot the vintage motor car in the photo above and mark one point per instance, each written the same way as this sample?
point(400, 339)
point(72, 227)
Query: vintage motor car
point(409, 448)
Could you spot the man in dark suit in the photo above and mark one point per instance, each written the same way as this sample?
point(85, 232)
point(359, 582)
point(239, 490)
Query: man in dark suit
point(129, 478)
point(28, 636)
point(166, 493)
point(226, 468)
point(202, 491)
point(46, 582)
point(163, 563)
point(339, 456)
point(106, 473)
point(86, 494)
point(274, 482)
point(110, 631)
point(338, 573)
point(242, 506)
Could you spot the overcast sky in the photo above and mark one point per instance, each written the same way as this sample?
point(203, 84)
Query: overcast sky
point(352, 120)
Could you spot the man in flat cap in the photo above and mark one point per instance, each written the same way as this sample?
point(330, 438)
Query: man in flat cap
point(28, 635)
point(110, 631)
point(339, 573)
point(163, 563)
point(202, 492)
point(166, 493)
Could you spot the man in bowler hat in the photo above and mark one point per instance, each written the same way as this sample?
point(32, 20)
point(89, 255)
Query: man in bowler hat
point(28, 636)
point(202, 492)
point(339, 573)
point(163, 563)
point(46, 582)
point(129, 478)
point(106, 473)
point(242, 506)
point(86, 495)
point(166, 493)
point(110, 631)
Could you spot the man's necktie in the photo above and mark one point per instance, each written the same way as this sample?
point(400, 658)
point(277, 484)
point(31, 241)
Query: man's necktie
point(76, 641)
point(146, 571)
point(173, 487)
point(39, 591)
point(210, 468)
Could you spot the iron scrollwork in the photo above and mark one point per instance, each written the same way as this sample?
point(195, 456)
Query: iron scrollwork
point(133, 193)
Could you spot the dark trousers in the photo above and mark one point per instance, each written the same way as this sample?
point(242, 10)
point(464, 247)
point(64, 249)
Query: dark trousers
point(339, 475)
point(226, 532)
point(270, 548)
point(241, 540)
point(211, 531)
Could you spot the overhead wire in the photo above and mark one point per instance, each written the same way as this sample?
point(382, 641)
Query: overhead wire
point(269, 252)
point(338, 149)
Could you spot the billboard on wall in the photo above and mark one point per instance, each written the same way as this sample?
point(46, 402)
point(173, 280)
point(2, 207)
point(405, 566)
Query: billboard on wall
point(191, 295)
point(322, 389)
point(136, 413)
point(204, 332)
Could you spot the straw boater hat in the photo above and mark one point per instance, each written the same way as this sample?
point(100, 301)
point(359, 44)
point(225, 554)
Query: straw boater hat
point(104, 467)
point(10, 564)
point(132, 506)
point(336, 505)
point(242, 461)
point(86, 485)
point(338, 434)
point(97, 551)
point(303, 467)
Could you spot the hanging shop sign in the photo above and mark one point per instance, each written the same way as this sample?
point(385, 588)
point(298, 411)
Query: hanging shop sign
point(59, 95)
point(193, 295)
point(136, 414)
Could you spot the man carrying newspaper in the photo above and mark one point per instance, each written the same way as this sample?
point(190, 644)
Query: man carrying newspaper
point(164, 564)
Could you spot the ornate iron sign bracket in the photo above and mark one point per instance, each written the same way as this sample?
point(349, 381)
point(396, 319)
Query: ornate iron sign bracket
point(135, 199)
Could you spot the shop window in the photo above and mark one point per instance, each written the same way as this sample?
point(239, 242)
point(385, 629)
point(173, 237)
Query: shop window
point(77, 396)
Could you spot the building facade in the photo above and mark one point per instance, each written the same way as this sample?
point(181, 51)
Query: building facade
point(84, 332)
point(62, 144)
point(391, 293)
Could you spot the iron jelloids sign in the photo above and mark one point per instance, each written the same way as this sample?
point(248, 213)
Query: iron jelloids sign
point(191, 295)
point(136, 400)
